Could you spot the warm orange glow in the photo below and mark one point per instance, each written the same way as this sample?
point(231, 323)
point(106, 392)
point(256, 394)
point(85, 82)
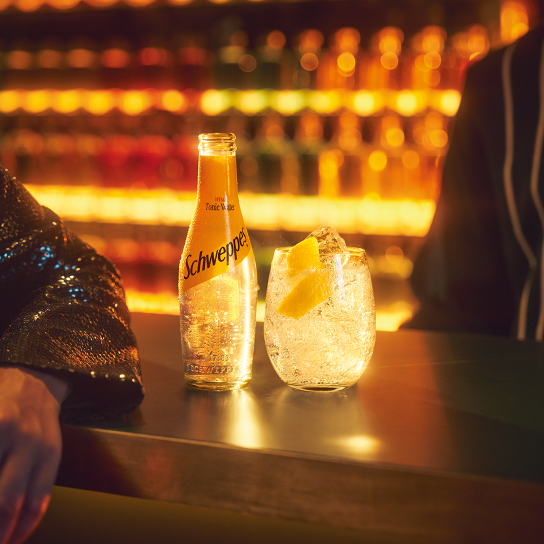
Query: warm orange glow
point(438, 138)
point(310, 41)
point(354, 156)
point(390, 319)
point(309, 61)
point(366, 103)
point(350, 136)
point(165, 207)
point(115, 58)
point(377, 160)
point(431, 78)
point(10, 101)
point(167, 303)
point(28, 5)
point(447, 102)
point(346, 63)
point(477, 41)
point(252, 102)
point(348, 140)
point(310, 127)
point(48, 58)
point(347, 40)
point(63, 4)
point(409, 103)
point(420, 63)
point(249, 166)
point(67, 101)
point(394, 254)
point(274, 134)
point(473, 42)
point(88, 144)
point(432, 60)
point(394, 137)
point(214, 102)
point(100, 102)
point(230, 54)
point(135, 102)
point(410, 159)
point(406, 103)
point(32, 142)
point(329, 182)
point(390, 40)
point(431, 133)
point(153, 56)
point(394, 262)
point(156, 303)
point(102, 3)
point(348, 121)
point(389, 60)
point(139, 3)
point(276, 39)
point(325, 102)
point(288, 102)
point(37, 101)
point(173, 101)
point(514, 20)
point(81, 58)
point(19, 60)
point(433, 38)
point(389, 44)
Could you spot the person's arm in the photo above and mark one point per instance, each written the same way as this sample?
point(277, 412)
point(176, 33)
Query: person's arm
point(65, 348)
point(30, 447)
point(64, 310)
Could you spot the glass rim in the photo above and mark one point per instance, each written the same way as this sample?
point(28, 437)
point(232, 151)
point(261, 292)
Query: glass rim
point(349, 249)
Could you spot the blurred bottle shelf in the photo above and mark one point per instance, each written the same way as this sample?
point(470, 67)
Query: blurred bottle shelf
point(29, 6)
point(342, 111)
point(370, 215)
point(329, 115)
point(364, 103)
point(63, 5)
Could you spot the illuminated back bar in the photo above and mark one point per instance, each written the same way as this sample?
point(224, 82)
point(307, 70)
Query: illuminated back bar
point(335, 128)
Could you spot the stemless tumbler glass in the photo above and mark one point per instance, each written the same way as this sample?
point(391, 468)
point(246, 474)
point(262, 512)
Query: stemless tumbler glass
point(329, 347)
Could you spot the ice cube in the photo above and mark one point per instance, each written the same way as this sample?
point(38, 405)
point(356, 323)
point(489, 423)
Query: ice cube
point(328, 240)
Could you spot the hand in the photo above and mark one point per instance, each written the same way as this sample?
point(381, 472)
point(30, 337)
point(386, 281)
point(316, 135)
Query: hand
point(30, 448)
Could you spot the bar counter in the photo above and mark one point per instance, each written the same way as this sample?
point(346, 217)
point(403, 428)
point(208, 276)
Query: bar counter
point(441, 440)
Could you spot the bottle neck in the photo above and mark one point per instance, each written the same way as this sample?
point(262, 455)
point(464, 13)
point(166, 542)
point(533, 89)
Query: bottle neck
point(217, 177)
point(217, 180)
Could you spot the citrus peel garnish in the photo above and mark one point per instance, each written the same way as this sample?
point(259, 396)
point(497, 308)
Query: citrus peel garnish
point(313, 288)
point(302, 256)
point(310, 291)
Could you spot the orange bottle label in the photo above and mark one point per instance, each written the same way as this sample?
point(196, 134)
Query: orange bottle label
point(217, 238)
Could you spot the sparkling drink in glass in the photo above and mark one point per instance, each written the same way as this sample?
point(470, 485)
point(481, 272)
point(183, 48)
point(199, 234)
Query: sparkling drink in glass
point(320, 319)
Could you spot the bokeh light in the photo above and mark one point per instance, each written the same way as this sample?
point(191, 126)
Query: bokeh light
point(377, 160)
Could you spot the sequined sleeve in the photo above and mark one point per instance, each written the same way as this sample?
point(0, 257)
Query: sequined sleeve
point(63, 309)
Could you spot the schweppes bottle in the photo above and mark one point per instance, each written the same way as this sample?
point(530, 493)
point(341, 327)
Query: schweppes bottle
point(217, 276)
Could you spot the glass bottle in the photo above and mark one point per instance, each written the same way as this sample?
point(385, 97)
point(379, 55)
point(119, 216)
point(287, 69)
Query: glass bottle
point(217, 276)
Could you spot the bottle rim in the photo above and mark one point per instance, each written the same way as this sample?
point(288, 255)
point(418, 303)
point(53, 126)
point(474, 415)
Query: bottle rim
point(217, 143)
